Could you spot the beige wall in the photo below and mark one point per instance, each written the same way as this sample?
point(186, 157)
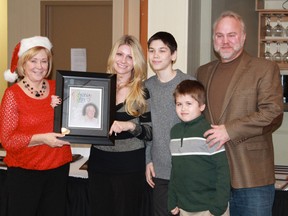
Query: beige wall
point(166, 15)
point(3, 45)
point(280, 139)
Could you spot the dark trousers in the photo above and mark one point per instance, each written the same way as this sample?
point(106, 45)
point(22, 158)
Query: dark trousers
point(160, 197)
point(116, 194)
point(34, 192)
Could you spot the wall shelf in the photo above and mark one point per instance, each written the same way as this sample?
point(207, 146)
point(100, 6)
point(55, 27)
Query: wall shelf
point(273, 37)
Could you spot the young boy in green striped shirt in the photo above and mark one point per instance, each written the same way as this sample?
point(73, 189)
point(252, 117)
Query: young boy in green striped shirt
point(200, 180)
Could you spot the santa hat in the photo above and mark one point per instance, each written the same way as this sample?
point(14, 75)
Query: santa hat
point(24, 45)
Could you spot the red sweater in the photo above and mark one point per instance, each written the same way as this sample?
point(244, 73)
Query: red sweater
point(21, 117)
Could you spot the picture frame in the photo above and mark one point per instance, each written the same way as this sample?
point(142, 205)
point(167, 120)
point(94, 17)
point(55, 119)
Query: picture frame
point(88, 106)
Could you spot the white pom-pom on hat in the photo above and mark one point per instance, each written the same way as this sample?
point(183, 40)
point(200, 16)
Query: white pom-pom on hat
point(9, 76)
point(23, 46)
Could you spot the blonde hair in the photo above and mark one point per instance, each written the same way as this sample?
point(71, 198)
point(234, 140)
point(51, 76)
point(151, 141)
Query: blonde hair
point(135, 103)
point(30, 54)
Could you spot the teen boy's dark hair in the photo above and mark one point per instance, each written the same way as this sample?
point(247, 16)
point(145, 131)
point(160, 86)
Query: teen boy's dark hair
point(193, 88)
point(167, 38)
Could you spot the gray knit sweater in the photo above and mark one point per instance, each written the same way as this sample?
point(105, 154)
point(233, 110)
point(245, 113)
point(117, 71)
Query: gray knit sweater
point(164, 117)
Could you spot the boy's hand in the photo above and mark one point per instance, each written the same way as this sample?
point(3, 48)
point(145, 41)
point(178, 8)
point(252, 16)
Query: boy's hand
point(150, 173)
point(175, 211)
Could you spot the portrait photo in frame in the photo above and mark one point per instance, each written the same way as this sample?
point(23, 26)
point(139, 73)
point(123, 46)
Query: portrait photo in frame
point(88, 106)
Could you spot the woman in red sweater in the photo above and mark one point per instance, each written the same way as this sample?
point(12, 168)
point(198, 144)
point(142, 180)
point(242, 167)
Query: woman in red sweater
point(37, 160)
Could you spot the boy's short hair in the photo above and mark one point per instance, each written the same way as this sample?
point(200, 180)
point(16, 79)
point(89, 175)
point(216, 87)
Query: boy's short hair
point(193, 88)
point(167, 38)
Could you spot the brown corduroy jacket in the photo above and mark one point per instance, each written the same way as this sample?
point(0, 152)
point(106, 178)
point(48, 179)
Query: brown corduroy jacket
point(252, 110)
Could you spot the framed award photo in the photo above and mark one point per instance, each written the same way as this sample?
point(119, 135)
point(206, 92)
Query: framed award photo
point(88, 106)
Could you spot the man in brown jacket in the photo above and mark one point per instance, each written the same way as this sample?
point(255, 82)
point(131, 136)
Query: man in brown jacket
point(245, 106)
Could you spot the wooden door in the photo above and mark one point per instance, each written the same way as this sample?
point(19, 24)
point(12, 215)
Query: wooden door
point(81, 24)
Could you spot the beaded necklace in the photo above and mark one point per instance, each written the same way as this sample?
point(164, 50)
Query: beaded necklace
point(35, 92)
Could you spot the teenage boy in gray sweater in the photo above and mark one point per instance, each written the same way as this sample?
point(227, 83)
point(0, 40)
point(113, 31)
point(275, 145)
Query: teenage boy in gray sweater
point(200, 180)
point(162, 54)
